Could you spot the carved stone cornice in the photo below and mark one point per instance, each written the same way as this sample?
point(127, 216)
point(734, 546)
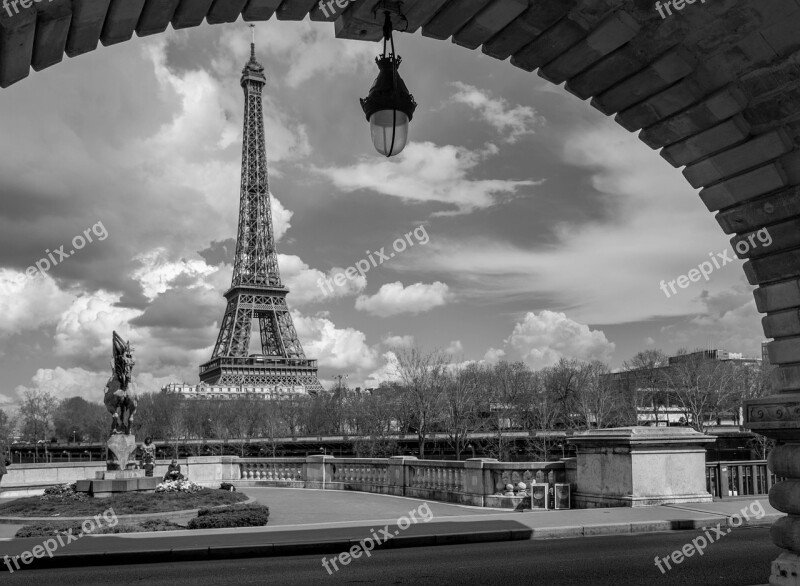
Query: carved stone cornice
point(776, 416)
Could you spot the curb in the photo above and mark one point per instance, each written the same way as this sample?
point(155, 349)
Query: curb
point(223, 552)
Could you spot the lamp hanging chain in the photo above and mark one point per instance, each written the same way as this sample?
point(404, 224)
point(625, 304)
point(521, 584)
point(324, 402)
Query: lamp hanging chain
point(388, 37)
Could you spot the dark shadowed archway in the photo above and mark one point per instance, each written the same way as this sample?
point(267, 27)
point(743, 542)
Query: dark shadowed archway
point(714, 84)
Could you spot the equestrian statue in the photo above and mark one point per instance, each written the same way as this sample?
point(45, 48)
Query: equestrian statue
point(120, 402)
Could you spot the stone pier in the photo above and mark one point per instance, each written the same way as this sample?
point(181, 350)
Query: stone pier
point(640, 466)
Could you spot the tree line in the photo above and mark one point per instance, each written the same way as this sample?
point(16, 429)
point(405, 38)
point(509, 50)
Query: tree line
point(430, 394)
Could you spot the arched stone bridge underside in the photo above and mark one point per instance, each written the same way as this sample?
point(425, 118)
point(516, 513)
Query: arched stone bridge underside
point(714, 84)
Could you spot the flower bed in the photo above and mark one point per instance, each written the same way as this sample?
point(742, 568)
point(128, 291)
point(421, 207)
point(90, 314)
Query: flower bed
point(62, 492)
point(179, 486)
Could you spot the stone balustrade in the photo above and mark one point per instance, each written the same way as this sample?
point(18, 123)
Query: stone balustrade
point(614, 467)
point(272, 471)
point(472, 482)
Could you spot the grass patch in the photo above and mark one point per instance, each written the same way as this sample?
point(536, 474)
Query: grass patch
point(123, 504)
point(52, 528)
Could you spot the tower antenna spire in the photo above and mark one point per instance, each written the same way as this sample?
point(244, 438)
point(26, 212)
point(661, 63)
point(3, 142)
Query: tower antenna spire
point(253, 41)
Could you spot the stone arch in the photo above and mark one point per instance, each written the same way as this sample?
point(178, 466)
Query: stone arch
point(714, 85)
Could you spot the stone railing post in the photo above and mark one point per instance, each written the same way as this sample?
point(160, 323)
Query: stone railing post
point(397, 473)
point(638, 466)
point(478, 481)
point(318, 471)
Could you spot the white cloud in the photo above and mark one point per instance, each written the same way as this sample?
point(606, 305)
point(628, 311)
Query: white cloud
point(543, 339)
point(157, 271)
point(394, 299)
point(517, 121)
point(645, 198)
point(455, 347)
point(425, 172)
point(308, 49)
point(85, 328)
point(309, 285)
point(398, 341)
point(71, 382)
point(341, 348)
point(494, 355)
point(29, 303)
point(387, 372)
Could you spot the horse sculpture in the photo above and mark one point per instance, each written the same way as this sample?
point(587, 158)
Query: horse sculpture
point(119, 402)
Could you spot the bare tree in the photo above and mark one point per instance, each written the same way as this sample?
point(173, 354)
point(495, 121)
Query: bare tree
point(36, 411)
point(595, 401)
point(541, 411)
point(644, 379)
point(421, 378)
point(509, 384)
point(704, 389)
point(465, 400)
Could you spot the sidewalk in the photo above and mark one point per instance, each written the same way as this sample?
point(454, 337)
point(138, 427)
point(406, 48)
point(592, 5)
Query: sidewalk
point(329, 522)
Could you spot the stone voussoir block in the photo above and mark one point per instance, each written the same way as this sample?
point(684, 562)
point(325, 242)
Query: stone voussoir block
point(784, 351)
point(563, 35)
point(667, 70)
point(121, 21)
point(612, 33)
point(764, 211)
point(540, 16)
point(488, 22)
point(707, 143)
point(778, 296)
point(753, 153)
point(743, 187)
point(88, 18)
point(718, 107)
point(782, 323)
point(776, 267)
point(767, 240)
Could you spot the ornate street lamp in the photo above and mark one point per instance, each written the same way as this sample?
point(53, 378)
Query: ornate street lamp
point(389, 106)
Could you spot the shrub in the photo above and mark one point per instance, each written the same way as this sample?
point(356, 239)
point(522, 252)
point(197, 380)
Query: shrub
point(227, 486)
point(236, 516)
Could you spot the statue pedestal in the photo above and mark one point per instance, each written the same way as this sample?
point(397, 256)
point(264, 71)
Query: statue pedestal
point(118, 477)
point(106, 487)
point(121, 447)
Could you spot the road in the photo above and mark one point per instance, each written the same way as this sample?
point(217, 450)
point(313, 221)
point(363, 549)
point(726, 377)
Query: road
point(742, 558)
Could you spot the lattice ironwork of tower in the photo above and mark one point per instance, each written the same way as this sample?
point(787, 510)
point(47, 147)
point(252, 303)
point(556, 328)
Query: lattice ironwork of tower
point(257, 292)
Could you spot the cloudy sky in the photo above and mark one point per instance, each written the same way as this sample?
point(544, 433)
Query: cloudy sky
point(542, 229)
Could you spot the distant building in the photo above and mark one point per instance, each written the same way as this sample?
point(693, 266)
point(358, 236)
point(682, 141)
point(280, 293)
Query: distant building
point(659, 409)
point(218, 392)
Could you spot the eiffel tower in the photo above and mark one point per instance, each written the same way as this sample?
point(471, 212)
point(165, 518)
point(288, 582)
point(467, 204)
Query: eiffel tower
point(256, 289)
